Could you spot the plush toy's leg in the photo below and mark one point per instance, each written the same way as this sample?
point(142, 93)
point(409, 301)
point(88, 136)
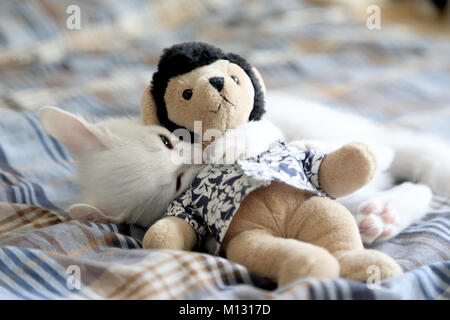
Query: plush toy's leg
point(279, 259)
point(170, 233)
point(328, 224)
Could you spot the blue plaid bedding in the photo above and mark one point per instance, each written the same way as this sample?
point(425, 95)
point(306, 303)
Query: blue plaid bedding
point(101, 69)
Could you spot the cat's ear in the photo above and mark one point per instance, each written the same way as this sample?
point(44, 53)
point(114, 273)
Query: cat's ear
point(75, 133)
point(85, 212)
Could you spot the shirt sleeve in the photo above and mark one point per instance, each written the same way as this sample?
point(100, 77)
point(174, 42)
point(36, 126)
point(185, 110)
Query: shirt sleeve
point(182, 208)
point(311, 164)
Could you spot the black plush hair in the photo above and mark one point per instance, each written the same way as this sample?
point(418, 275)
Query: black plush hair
point(185, 57)
point(440, 4)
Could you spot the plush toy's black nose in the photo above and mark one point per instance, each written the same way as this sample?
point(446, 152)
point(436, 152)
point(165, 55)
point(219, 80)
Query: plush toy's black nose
point(217, 82)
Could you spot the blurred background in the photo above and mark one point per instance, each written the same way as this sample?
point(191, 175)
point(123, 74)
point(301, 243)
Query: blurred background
point(100, 61)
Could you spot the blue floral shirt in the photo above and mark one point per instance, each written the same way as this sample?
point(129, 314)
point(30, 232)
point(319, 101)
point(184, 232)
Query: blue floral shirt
point(215, 194)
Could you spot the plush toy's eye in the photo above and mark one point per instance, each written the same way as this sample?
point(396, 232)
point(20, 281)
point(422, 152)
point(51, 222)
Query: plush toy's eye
point(235, 79)
point(187, 94)
point(166, 142)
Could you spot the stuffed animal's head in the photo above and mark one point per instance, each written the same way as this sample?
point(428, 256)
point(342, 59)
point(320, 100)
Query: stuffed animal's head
point(196, 81)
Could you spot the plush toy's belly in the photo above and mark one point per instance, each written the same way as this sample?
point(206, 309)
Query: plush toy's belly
point(269, 208)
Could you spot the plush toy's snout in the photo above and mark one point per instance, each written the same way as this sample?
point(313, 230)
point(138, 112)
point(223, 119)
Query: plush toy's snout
point(217, 83)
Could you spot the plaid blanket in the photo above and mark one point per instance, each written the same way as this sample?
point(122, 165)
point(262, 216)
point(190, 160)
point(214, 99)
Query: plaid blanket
point(321, 53)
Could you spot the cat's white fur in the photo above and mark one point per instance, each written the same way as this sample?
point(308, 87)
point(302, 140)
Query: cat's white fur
point(124, 170)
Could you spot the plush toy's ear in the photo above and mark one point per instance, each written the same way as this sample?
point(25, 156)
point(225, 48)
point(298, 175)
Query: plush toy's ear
point(148, 107)
point(260, 80)
point(85, 212)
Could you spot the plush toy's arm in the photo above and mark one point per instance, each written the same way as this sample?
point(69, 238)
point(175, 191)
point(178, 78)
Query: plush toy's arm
point(347, 169)
point(245, 141)
point(383, 153)
point(170, 233)
point(176, 230)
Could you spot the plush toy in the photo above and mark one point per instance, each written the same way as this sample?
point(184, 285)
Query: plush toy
point(198, 82)
point(271, 213)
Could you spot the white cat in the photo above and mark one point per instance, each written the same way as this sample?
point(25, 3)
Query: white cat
point(127, 172)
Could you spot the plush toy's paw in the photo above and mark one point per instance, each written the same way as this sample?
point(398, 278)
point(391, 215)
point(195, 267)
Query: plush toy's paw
point(367, 265)
point(347, 169)
point(377, 220)
point(170, 233)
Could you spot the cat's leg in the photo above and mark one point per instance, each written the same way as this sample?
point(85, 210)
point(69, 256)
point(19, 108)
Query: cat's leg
point(382, 181)
point(382, 215)
point(420, 157)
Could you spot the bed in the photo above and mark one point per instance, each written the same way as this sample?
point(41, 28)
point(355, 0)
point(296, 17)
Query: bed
point(323, 53)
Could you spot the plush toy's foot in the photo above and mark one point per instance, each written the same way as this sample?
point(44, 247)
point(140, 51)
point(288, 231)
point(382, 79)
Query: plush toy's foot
point(366, 264)
point(321, 265)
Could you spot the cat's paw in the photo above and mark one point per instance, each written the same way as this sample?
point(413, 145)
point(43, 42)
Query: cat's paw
point(377, 220)
point(385, 215)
